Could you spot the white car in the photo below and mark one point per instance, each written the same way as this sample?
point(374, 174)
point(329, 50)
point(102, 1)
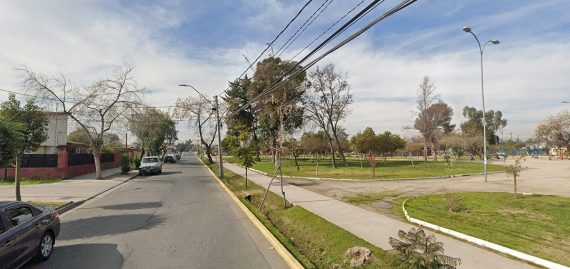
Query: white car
point(150, 165)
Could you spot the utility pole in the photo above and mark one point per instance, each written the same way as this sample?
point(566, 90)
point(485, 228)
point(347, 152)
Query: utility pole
point(219, 136)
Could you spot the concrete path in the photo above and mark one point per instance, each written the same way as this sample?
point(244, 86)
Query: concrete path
point(74, 189)
point(376, 228)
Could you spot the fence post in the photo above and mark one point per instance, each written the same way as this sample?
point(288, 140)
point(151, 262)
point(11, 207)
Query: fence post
point(62, 158)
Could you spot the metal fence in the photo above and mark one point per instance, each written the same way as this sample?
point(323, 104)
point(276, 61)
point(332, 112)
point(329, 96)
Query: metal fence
point(38, 160)
point(80, 159)
point(107, 157)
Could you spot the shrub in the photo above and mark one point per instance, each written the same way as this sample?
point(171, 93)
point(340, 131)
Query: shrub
point(454, 203)
point(137, 162)
point(125, 164)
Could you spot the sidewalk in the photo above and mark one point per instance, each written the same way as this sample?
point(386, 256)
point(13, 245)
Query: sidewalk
point(73, 189)
point(376, 228)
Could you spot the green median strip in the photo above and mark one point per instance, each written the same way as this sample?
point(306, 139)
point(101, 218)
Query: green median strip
point(30, 181)
point(315, 242)
point(393, 169)
point(534, 224)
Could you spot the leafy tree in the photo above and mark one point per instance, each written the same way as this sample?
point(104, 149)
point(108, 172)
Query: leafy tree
point(239, 143)
point(314, 142)
point(473, 126)
point(327, 102)
point(241, 113)
point(96, 108)
point(111, 142)
point(363, 142)
point(155, 129)
point(416, 250)
point(555, 129)
point(32, 130)
point(184, 146)
point(387, 143)
point(433, 122)
point(8, 134)
point(278, 111)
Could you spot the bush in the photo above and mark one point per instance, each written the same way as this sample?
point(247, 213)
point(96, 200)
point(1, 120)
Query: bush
point(454, 203)
point(125, 164)
point(137, 162)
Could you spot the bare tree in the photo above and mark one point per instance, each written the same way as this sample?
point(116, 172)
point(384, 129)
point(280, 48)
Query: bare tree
point(327, 102)
point(555, 129)
point(198, 112)
point(426, 96)
point(95, 108)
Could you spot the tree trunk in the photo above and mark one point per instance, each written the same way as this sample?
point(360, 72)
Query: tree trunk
point(295, 158)
point(515, 185)
point(17, 178)
point(97, 158)
point(332, 151)
point(246, 177)
point(317, 167)
point(425, 149)
point(434, 151)
point(340, 151)
point(209, 154)
point(5, 173)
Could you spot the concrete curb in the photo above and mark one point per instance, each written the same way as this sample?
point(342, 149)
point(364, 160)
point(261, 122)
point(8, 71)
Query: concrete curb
point(483, 243)
point(281, 250)
point(71, 205)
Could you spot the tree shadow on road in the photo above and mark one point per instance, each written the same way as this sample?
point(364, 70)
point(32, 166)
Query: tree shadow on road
point(133, 206)
point(84, 256)
point(108, 225)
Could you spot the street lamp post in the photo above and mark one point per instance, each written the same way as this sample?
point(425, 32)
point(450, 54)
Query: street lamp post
point(481, 49)
point(216, 108)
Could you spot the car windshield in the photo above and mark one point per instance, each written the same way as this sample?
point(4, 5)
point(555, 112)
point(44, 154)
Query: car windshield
point(150, 160)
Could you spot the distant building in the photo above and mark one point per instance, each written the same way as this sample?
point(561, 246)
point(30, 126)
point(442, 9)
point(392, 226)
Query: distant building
point(57, 133)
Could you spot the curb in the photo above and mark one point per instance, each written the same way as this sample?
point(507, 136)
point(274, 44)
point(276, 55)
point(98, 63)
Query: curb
point(281, 250)
point(71, 205)
point(483, 243)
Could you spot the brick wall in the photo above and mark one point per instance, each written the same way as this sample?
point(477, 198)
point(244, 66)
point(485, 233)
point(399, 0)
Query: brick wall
point(63, 170)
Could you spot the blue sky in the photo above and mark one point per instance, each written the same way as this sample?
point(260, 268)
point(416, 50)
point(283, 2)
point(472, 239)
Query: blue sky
point(202, 43)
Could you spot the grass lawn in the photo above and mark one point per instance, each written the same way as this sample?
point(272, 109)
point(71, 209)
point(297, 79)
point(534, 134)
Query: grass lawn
point(537, 225)
point(315, 242)
point(394, 169)
point(31, 181)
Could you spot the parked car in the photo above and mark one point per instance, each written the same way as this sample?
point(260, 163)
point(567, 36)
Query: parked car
point(169, 159)
point(26, 232)
point(150, 165)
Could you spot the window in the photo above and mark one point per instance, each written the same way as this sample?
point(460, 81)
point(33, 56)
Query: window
point(150, 160)
point(18, 215)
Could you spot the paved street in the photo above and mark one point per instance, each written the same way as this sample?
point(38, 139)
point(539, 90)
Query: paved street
point(180, 219)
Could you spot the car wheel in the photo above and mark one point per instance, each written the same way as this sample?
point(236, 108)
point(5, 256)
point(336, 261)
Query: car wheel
point(141, 173)
point(160, 171)
point(45, 247)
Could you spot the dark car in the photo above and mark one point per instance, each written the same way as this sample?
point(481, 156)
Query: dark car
point(169, 159)
point(26, 232)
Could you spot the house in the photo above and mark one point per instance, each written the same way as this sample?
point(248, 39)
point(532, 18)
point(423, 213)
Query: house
point(57, 133)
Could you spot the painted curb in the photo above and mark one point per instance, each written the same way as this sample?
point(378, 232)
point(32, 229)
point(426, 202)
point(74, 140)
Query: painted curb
point(281, 250)
point(483, 243)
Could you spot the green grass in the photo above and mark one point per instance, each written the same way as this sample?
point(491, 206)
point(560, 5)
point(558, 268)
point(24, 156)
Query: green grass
point(315, 242)
point(31, 181)
point(394, 169)
point(537, 225)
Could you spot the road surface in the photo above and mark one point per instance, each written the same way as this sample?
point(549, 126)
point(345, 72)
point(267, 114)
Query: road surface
point(179, 219)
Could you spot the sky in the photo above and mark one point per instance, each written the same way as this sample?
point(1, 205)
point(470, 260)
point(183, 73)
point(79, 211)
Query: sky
point(203, 43)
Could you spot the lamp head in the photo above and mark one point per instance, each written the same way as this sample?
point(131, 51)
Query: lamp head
point(467, 29)
point(495, 41)
point(183, 85)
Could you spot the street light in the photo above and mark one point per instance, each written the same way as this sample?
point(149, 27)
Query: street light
point(481, 48)
point(216, 108)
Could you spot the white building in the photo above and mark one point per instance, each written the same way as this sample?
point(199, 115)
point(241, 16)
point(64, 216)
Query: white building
point(57, 133)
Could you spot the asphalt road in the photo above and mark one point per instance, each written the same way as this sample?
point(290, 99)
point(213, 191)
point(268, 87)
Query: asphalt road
point(179, 219)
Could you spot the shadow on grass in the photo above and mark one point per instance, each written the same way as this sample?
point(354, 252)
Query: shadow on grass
point(85, 256)
point(107, 225)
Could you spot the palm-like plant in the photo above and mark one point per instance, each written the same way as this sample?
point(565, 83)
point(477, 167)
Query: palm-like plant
point(416, 250)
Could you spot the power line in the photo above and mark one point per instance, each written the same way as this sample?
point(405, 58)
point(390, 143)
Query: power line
point(284, 78)
point(330, 27)
point(273, 41)
point(303, 27)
